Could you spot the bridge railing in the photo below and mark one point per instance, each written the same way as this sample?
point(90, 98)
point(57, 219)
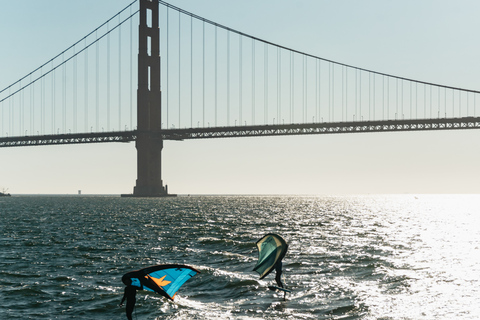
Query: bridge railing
point(251, 131)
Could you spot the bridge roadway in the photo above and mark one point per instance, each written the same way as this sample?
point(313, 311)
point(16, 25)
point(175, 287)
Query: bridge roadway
point(250, 131)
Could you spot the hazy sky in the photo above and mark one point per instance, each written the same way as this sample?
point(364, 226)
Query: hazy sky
point(430, 40)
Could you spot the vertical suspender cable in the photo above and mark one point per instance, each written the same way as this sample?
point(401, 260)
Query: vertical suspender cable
point(131, 71)
point(346, 94)
point(397, 114)
point(460, 103)
point(228, 78)
point(19, 117)
point(305, 86)
point(316, 90)
point(179, 68)
point(453, 103)
point(74, 115)
point(359, 95)
point(333, 92)
point(44, 113)
point(279, 75)
point(21, 111)
point(369, 96)
point(320, 91)
point(40, 109)
point(23, 105)
point(431, 117)
point(14, 108)
point(42, 97)
point(216, 74)
point(97, 83)
point(203, 95)
point(438, 103)
point(304, 114)
point(292, 90)
point(108, 78)
point(38, 119)
point(329, 115)
point(265, 73)
point(411, 103)
point(191, 72)
point(445, 101)
point(467, 102)
point(119, 75)
point(355, 114)
point(64, 96)
point(18, 109)
point(383, 96)
point(31, 109)
point(11, 103)
point(416, 100)
point(240, 79)
point(85, 89)
point(53, 102)
point(401, 101)
point(22, 108)
point(168, 64)
point(343, 113)
point(388, 97)
point(424, 100)
point(253, 82)
point(374, 97)
point(10, 113)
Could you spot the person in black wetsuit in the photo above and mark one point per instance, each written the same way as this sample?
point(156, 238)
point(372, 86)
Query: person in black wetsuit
point(129, 295)
point(278, 275)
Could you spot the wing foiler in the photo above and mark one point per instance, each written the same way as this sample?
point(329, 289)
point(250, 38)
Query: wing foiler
point(164, 279)
point(271, 249)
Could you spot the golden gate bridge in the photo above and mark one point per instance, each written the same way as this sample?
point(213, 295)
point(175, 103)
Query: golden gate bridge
point(159, 73)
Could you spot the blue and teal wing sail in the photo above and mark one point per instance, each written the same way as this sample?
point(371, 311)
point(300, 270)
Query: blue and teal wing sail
point(271, 249)
point(164, 279)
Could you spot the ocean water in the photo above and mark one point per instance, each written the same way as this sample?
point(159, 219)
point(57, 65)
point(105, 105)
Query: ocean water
point(350, 257)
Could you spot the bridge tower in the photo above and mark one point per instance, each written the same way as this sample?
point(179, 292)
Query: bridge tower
point(149, 143)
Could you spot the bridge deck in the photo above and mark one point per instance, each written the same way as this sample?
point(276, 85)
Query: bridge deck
point(251, 131)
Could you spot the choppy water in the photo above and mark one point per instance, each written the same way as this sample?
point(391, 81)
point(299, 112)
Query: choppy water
point(364, 257)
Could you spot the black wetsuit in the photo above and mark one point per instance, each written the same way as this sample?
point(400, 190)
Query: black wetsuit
point(130, 293)
point(278, 270)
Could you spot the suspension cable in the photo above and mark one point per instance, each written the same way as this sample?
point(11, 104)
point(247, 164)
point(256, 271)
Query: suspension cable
point(307, 54)
point(72, 46)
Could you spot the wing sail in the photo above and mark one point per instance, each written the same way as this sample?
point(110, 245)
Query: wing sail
point(164, 279)
point(271, 248)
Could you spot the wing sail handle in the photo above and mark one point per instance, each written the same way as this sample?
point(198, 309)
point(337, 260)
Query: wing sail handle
point(164, 279)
